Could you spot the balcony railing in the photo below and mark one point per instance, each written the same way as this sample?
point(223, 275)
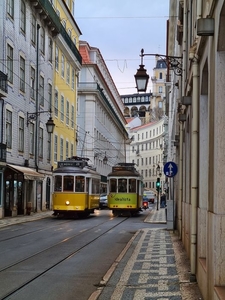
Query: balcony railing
point(71, 44)
point(3, 84)
point(52, 20)
point(2, 152)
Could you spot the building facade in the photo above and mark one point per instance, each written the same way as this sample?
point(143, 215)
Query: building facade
point(146, 151)
point(101, 126)
point(196, 122)
point(30, 32)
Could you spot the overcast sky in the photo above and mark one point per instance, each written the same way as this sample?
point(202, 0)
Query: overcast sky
point(120, 29)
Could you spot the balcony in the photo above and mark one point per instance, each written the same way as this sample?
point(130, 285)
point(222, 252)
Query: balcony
point(70, 44)
point(48, 14)
point(2, 152)
point(3, 85)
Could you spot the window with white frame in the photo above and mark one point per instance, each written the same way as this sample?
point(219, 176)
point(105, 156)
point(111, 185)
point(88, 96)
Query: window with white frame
point(160, 89)
point(67, 112)
point(62, 66)
point(32, 82)
point(21, 135)
point(62, 108)
point(56, 58)
point(23, 16)
point(10, 63)
point(72, 116)
point(33, 29)
point(68, 73)
point(50, 49)
point(40, 142)
point(49, 96)
point(61, 149)
point(22, 74)
point(42, 40)
point(55, 148)
point(67, 149)
point(10, 8)
point(32, 143)
point(71, 149)
point(41, 90)
point(56, 103)
point(9, 129)
point(49, 147)
point(73, 79)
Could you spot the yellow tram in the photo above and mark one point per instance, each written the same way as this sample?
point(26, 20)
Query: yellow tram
point(76, 188)
point(124, 189)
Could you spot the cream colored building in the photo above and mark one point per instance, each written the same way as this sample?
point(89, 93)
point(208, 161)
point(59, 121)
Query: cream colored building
point(146, 151)
point(196, 122)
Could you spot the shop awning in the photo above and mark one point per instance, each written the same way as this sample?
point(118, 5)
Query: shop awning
point(28, 173)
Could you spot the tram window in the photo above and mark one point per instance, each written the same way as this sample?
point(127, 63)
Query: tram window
point(95, 186)
point(80, 180)
point(122, 185)
point(68, 183)
point(132, 185)
point(87, 185)
point(58, 183)
point(112, 186)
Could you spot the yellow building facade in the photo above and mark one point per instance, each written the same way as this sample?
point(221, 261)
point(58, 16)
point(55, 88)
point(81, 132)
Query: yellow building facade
point(67, 64)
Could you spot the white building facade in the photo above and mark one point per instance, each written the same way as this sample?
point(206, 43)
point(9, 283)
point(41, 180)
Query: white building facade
point(146, 151)
point(101, 126)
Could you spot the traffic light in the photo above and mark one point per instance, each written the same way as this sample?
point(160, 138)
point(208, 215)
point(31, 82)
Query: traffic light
point(158, 184)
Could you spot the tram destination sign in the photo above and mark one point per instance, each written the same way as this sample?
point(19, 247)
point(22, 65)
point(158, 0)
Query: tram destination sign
point(73, 164)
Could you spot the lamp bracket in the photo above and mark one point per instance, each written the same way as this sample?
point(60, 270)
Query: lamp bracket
point(172, 62)
point(33, 116)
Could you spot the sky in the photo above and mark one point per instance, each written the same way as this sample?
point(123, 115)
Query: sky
point(120, 29)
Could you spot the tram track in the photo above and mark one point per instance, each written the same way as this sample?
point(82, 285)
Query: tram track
point(65, 246)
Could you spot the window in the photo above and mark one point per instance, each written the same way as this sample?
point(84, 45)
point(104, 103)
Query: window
point(68, 73)
point(62, 67)
point(67, 112)
point(56, 103)
point(31, 146)
point(50, 49)
point(62, 108)
point(61, 149)
point(42, 40)
point(160, 75)
point(55, 147)
point(160, 89)
point(10, 63)
point(10, 8)
point(67, 149)
point(22, 74)
point(23, 16)
point(41, 90)
point(32, 82)
point(73, 79)
point(33, 30)
point(56, 58)
point(9, 129)
point(21, 134)
point(40, 150)
point(71, 149)
point(49, 147)
point(49, 96)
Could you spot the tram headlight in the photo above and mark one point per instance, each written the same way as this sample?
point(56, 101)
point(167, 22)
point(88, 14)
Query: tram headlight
point(67, 202)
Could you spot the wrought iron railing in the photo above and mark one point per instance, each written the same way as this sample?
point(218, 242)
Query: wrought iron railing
point(3, 82)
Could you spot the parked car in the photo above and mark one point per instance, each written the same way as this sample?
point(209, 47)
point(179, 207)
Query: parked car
point(103, 201)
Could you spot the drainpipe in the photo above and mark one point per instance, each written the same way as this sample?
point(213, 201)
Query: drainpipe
point(194, 168)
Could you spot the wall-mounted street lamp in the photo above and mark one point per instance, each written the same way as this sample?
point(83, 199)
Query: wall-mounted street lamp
point(141, 77)
point(33, 117)
point(105, 159)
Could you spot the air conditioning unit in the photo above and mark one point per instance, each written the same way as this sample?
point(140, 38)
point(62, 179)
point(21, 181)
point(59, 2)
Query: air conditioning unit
point(186, 100)
point(182, 117)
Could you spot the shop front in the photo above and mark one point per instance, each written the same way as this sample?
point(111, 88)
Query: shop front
point(21, 185)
